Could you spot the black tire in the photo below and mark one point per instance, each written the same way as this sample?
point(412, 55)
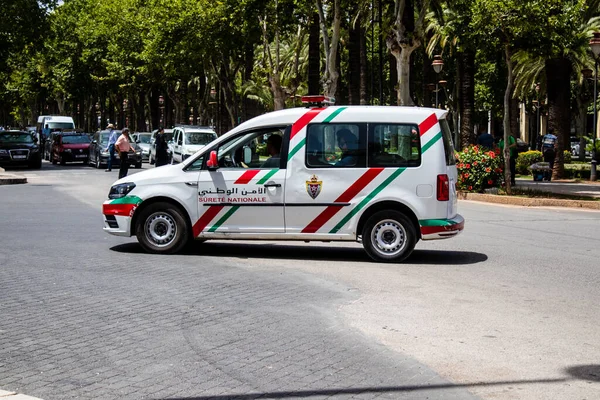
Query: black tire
point(389, 236)
point(138, 165)
point(161, 228)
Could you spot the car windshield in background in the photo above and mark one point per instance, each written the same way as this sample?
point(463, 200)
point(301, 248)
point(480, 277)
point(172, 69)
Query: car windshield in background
point(199, 137)
point(144, 138)
point(16, 138)
point(104, 138)
point(75, 139)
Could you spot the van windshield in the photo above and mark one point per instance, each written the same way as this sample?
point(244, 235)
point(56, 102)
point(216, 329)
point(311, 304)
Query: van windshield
point(448, 145)
point(199, 137)
point(60, 125)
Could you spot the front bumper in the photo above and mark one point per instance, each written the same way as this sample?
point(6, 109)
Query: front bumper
point(117, 215)
point(432, 229)
point(74, 156)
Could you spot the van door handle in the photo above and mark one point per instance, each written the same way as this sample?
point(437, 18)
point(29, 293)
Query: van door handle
point(267, 185)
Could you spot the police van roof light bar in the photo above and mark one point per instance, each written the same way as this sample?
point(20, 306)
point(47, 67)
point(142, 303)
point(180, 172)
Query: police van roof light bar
point(318, 100)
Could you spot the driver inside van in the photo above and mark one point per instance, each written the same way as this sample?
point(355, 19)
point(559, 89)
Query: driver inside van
point(273, 148)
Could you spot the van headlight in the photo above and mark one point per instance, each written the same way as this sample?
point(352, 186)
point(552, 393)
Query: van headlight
point(120, 190)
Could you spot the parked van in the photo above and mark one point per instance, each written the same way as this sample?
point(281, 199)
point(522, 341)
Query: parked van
point(48, 123)
point(384, 176)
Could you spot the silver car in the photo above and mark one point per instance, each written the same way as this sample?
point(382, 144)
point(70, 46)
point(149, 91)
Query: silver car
point(143, 140)
point(168, 137)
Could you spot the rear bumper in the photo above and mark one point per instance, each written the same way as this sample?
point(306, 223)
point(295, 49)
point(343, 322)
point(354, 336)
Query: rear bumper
point(432, 229)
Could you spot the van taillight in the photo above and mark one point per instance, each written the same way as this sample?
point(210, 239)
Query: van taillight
point(443, 188)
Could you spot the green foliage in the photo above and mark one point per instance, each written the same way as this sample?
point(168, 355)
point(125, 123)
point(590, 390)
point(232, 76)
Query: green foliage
point(526, 159)
point(478, 169)
point(568, 156)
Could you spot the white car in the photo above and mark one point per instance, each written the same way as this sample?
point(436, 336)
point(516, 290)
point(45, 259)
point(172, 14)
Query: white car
point(384, 176)
point(188, 139)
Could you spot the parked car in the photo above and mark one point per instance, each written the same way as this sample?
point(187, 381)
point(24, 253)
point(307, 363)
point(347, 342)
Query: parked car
point(19, 148)
point(143, 140)
point(98, 151)
point(188, 139)
point(168, 137)
point(70, 147)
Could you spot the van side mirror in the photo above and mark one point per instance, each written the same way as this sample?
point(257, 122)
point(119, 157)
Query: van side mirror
point(212, 162)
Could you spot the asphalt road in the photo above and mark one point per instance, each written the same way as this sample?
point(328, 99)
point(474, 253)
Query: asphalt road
point(507, 310)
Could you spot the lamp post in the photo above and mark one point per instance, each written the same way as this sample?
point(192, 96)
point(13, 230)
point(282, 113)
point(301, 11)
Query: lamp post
point(595, 46)
point(161, 103)
point(437, 65)
point(125, 117)
point(98, 115)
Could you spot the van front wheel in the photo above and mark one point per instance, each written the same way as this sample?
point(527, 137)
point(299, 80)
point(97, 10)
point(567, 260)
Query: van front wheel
point(161, 228)
point(389, 236)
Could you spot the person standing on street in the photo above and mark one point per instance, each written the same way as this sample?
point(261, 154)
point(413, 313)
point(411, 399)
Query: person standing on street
point(549, 151)
point(112, 139)
point(485, 139)
point(162, 154)
point(123, 146)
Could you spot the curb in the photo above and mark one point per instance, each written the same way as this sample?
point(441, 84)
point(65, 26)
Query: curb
point(9, 179)
point(529, 202)
point(5, 395)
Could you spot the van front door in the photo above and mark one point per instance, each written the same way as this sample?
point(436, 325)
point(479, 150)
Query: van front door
point(245, 194)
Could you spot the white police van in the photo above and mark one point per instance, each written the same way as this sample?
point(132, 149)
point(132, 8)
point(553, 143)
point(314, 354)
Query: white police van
point(382, 175)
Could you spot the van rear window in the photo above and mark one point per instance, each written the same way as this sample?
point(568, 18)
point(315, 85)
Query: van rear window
point(448, 144)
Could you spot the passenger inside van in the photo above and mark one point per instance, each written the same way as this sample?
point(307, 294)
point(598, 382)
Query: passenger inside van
point(348, 144)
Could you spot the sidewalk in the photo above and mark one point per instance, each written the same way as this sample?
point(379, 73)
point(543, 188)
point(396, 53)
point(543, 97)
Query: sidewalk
point(582, 189)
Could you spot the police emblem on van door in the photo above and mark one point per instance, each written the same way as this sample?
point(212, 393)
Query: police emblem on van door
point(313, 186)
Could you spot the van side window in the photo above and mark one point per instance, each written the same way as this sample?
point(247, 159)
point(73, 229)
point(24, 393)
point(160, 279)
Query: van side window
point(254, 149)
point(394, 145)
point(336, 146)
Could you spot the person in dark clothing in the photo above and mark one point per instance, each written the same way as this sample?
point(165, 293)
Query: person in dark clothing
point(549, 142)
point(162, 154)
point(485, 139)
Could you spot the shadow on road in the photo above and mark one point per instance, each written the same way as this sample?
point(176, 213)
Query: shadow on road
point(366, 390)
point(317, 252)
point(590, 372)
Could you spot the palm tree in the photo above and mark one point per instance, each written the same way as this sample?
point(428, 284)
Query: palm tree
point(554, 64)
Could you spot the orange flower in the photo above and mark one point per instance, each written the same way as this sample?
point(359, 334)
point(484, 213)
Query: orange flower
point(474, 163)
point(488, 169)
point(465, 175)
point(468, 166)
point(490, 182)
point(470, 187)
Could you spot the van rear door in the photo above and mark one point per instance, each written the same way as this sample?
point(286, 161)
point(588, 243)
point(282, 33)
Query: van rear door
point(450, 167)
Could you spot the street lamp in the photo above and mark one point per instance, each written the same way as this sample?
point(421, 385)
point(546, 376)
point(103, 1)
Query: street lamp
point(161, 103)
point(595, 46)
point(437, 65)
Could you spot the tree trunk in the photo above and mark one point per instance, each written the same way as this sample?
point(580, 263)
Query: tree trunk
point(506, 122)
point(331, 76)
point(364, 73)
point(466, 71)
point(314, 56)
point(558, 73)
point(402, 54)
point(354, 60)
point(515, 128)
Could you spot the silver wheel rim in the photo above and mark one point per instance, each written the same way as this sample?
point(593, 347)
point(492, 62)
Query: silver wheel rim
point(388, 237)
point(160, 229)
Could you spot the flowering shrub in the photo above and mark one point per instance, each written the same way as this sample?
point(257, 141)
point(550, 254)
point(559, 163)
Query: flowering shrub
point(479, 168)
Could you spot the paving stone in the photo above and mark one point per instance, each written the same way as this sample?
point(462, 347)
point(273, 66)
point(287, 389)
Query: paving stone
point(103, 320)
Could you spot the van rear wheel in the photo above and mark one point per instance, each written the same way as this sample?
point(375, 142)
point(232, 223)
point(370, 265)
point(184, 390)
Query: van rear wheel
point(161, 228)
point(389, 236)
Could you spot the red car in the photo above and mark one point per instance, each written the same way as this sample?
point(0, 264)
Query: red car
point(70, 148)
